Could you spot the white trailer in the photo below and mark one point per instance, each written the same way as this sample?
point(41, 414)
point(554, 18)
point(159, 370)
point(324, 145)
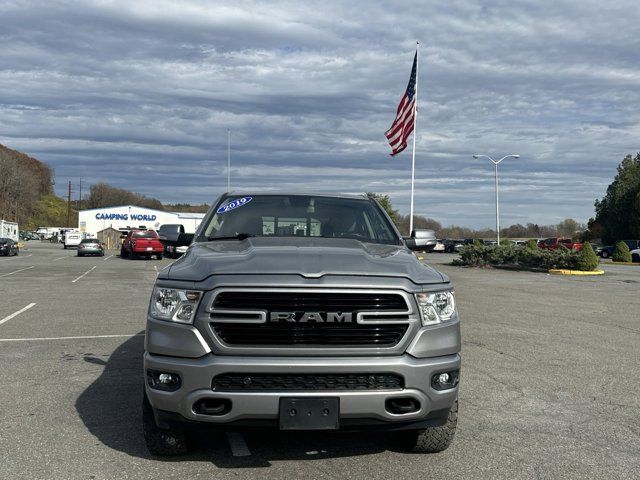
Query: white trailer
point(9, 230)
point(48, 232)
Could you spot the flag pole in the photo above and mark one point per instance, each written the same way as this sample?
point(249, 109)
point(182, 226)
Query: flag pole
point(228, 160)
point(415, 131)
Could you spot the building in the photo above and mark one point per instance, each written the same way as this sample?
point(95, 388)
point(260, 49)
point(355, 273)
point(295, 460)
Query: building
point(127, 217)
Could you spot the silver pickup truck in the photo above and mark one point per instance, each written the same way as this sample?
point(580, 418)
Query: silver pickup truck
point(300, 312)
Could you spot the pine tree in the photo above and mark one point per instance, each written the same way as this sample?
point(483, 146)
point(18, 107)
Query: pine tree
point(619, 211)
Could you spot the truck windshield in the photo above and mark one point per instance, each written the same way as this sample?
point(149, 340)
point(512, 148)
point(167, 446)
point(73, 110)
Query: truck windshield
point(300, 216)
point(145, 234)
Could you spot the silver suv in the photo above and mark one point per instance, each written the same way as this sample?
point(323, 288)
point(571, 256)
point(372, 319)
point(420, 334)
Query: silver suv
point(300, 312)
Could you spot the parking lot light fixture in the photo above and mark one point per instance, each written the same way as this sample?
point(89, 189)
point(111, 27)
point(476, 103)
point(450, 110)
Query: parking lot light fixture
point(495, 163)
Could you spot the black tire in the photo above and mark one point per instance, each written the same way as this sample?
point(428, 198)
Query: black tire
point(635, 258)
point(80, 255)
point(161, 442)
point(159, 256)
point(433, 439)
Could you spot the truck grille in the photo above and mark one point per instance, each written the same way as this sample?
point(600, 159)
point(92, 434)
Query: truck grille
point(310, 334)
point(312, 301)
point(261, 381)
point(242, 318)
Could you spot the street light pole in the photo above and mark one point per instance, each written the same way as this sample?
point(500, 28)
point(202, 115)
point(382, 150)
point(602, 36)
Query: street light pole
point(495, 163)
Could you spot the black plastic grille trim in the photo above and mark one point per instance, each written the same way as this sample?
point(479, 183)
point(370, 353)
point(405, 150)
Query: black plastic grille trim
point(357, 335)
point(260, 381)
point(312, 301)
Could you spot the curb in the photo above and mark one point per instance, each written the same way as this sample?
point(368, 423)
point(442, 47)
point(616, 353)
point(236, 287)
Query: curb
point(555, 271)
point(630, 264)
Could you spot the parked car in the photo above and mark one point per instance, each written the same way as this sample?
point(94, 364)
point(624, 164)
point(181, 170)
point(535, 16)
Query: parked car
point(143, 243)
point(90, 246)
point(607, 250)
point(8, 247)
point(556, 242)
point(439, 247)
point(635, 255)
point(467, 241)
point(450, 245)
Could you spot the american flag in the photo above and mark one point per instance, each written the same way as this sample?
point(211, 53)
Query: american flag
point(403, 124)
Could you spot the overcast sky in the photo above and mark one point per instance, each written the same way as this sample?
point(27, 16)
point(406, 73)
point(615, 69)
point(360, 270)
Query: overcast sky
point(141, 94)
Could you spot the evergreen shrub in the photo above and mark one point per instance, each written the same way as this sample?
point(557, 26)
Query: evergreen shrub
point(621, 253)
point(587, 260)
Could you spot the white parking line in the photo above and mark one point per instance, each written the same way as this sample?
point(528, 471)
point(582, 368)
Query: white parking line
point(11, 273)
point(82, 337)
point(238, 445)
point(85, 273)
point(107, 258)
point(18, 257)
point(6, 319)
point(60, 258)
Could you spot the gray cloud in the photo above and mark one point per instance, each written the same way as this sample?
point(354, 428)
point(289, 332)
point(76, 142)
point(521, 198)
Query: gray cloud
point(141, 94)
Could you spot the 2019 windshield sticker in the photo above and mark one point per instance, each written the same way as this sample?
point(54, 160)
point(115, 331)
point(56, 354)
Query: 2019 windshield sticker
point(233, 204)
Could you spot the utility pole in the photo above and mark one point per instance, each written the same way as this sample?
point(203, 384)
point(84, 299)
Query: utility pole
point(69, 206)
point(80, 196)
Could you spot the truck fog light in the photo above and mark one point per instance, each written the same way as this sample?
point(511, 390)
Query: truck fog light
point(169, 382)
point(445, 380)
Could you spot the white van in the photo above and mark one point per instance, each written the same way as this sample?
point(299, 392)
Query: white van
point(72, 239)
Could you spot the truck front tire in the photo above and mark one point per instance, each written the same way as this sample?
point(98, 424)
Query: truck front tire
point(161, 442)
point(433, 439)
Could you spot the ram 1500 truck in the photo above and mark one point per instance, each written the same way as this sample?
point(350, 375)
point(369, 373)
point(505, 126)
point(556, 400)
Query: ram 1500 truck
point(300, 312)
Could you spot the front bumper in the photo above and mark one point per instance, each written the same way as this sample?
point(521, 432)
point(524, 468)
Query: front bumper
point(257, 407)
point(90, 251)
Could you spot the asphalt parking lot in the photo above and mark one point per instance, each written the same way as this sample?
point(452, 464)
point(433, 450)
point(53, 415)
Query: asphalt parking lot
point(550, 381)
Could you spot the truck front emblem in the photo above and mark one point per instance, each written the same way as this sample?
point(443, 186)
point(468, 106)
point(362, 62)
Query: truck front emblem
point(318, 317)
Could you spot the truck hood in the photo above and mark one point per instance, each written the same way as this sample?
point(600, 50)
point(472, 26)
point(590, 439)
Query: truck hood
point(304, 256)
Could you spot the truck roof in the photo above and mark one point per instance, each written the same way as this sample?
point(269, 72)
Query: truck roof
point(354, 196)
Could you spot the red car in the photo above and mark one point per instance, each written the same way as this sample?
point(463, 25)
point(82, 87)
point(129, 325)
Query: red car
point(555, 242)
point(141, 243)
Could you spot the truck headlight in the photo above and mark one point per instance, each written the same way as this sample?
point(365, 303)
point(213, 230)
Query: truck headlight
point(174, 305)
point(436, 307)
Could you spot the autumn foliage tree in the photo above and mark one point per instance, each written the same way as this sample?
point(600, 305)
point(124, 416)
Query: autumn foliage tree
point(104, 195)
point(23, 181)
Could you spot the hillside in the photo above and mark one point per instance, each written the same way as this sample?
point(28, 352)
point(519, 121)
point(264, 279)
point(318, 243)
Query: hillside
point(23, 181)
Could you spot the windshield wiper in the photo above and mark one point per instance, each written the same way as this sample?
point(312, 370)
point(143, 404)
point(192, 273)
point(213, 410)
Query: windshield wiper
point(239, 236)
